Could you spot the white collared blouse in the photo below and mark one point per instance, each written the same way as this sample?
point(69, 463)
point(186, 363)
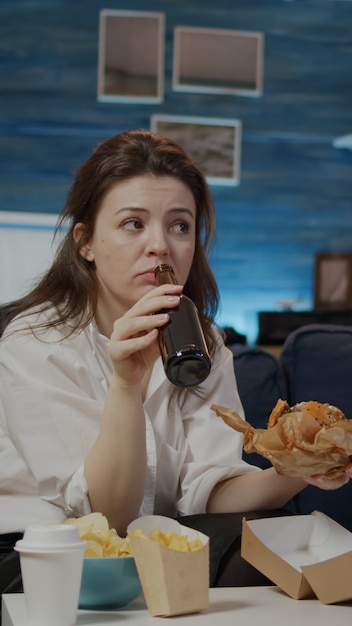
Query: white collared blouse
point(52, 395)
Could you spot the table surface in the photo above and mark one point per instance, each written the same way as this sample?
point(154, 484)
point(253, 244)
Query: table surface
point(267, 606)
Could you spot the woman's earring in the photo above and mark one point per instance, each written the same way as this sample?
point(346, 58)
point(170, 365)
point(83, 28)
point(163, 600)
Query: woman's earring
point(87, 254)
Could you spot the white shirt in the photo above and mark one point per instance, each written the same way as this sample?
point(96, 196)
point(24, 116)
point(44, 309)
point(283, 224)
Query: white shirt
point(52, 396)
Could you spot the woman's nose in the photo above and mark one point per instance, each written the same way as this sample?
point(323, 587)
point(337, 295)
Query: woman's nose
point(157, 242)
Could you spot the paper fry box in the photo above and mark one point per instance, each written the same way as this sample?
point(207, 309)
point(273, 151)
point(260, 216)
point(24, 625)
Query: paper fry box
point(173, 582)
point(304, 555)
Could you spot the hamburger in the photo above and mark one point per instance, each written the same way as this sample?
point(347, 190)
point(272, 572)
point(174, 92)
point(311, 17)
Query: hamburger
point(325, 414)
point(305, 439)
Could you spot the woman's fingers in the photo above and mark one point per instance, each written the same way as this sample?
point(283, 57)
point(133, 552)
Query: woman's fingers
point(133, 344)
point(328, 484)
point(121, 348)
point(163, 297)
point(348, 470)
point(148, 314)
point(126, 327)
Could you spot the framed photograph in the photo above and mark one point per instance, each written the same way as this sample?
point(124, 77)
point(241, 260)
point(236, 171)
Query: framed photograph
point(214, 144)
point(219, 61)
point(128, 72)
point(333, 281)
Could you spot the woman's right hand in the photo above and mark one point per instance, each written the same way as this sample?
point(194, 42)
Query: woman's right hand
point(133, 344)
point(115, 466)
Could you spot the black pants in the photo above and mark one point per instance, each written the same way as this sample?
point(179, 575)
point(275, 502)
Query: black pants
point(227, 568)
point(10, 571)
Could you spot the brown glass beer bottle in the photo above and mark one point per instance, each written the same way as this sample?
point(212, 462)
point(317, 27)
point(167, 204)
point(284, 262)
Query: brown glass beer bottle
point(182, 343)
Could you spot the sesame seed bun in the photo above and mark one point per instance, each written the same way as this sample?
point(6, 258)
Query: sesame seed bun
point(325, 414)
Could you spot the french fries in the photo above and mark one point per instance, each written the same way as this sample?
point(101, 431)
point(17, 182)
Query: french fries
point(171, 540)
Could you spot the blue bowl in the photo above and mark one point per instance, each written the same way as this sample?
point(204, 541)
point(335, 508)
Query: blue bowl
point(108, 582)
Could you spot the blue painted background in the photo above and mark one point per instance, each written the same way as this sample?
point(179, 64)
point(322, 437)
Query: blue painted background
point(295, 193)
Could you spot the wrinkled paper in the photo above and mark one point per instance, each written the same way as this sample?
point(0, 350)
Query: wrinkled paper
point(297, 445)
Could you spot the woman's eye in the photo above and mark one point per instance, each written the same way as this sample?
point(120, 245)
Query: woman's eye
point(132, 224)
point(181, 227)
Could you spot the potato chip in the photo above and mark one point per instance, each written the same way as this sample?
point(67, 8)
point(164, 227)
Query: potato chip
point(102, 541)
point(171, 540)
point(94, 548)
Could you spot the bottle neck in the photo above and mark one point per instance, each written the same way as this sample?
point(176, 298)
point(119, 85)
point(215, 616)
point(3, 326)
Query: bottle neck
point(165, 275)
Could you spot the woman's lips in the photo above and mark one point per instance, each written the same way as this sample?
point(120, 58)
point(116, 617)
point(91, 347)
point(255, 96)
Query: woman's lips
point(149, 276)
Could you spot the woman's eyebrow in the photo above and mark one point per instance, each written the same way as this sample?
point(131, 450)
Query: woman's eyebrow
point(133, 209)
point(183, 210)
point(130, 209)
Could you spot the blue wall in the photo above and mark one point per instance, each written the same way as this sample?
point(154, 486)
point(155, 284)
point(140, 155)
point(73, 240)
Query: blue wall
point(295, 193)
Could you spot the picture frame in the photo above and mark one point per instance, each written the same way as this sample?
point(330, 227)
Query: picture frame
point(218, 61)
point(333, 281)
point(213, 143)
point(126, 72)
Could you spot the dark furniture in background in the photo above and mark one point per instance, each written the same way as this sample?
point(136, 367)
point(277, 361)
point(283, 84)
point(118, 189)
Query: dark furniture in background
point(275, 326)
point(315, 363)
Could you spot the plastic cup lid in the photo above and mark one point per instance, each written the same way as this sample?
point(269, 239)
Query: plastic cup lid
point(48, 537)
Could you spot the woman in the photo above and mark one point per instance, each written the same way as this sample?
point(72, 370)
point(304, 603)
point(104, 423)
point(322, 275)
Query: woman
point(89, 420)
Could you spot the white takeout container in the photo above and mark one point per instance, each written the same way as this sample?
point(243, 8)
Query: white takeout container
point(304, 555)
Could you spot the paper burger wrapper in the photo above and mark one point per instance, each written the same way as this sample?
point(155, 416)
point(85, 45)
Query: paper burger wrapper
point(297, 445)
point(173, 582)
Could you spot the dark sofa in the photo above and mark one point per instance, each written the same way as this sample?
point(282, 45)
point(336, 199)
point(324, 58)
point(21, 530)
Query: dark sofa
point(315, 364)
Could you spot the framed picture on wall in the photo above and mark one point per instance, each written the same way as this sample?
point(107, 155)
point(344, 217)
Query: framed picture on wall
point(213, 143)
point(131, 56)
point(219, 61)
point(333, 281)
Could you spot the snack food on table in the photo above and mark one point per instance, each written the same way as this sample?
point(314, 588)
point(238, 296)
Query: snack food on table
point(171, 540)
point(104, 541)
point(303, 440)
point(101, 540)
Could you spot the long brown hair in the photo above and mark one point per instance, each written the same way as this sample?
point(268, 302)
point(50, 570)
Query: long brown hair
point(70, 284)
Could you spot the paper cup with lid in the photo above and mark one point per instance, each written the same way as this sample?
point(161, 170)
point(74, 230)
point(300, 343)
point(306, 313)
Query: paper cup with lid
point(51, 558)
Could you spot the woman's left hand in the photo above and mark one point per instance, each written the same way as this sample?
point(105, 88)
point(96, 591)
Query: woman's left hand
point(329, 484)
